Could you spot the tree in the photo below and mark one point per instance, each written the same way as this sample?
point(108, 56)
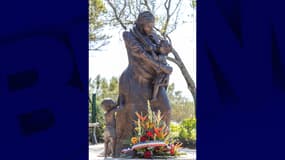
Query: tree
point(94, 85)
point(124, 13)
point(182, 107)
point(103, 89)
point(97, 10)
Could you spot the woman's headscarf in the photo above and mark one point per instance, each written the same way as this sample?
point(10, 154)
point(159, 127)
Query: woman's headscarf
point(144, 18)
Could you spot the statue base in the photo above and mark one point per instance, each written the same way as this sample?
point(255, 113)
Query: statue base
point(96, 152)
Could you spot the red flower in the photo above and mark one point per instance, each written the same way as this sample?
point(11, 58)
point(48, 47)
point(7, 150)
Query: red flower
point(147, 154)
point(172, 150)
point(143, 138)
point(149, 134)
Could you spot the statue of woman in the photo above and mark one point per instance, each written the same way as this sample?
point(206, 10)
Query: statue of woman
point(136, 82)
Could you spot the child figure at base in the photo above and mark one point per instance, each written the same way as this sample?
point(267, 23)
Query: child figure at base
point(109, 133)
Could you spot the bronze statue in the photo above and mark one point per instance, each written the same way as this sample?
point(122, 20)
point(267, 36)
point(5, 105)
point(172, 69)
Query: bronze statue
point(109, 133)
point(162, 79)
point(146, 56)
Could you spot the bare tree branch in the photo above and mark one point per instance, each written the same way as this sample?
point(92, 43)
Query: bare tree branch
point(100, 42)
point(130, 7)
point(173, 28)
point(178, 5)
point(190, 83)
point(153, 4)
point(138, 6)
point(167, 4)
point(178, 61)
point(173, 60)
point(123, 9)
point(116, 14)
point(147, 5)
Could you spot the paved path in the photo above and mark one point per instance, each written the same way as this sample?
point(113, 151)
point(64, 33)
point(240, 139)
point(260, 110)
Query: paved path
point(96, 153)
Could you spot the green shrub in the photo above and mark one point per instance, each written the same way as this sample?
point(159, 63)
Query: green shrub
point(174, 130)
point(188, 129)
point(184, 132)
point(101, 121)
point(187, 134)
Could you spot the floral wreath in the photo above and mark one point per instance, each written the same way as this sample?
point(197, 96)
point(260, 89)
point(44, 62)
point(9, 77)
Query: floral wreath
point(151, 138)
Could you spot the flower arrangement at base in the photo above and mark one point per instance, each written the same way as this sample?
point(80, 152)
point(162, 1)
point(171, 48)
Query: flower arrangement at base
point(151, 137)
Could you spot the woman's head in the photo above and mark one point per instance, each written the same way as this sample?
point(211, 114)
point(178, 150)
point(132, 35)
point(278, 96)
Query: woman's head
point(145, 22)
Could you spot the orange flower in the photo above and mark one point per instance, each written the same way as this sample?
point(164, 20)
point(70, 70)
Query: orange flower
point(134, 140)
point(165, 134)
point(157, 130)
point(159, 133)
point(162, 135)
point(141, 117)
point(173, 148)
point(177, 146)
